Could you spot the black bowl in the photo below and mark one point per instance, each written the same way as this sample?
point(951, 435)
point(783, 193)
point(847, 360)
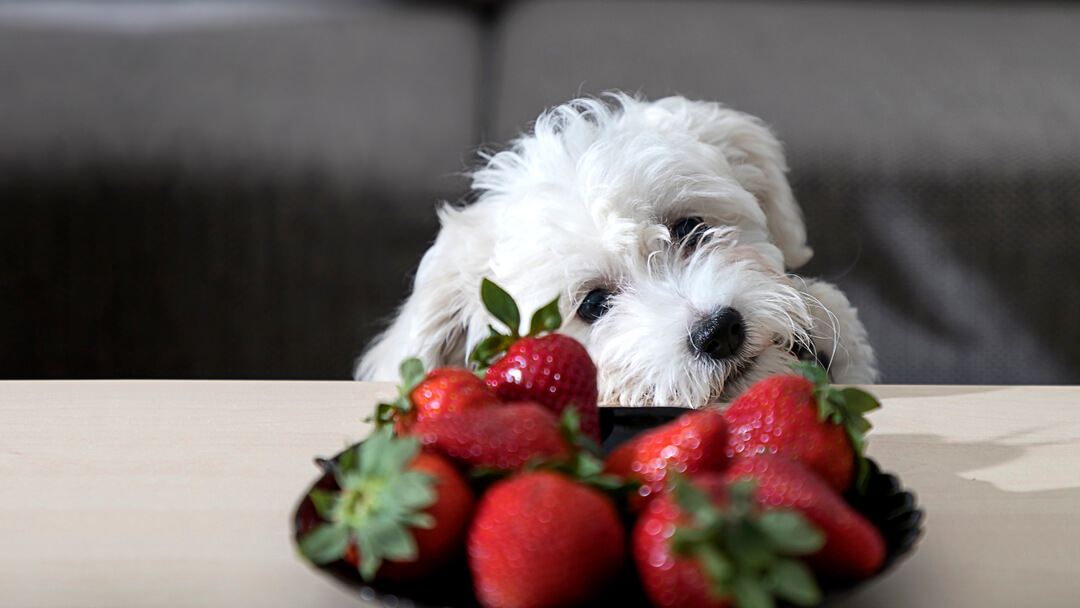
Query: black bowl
point(886, 504)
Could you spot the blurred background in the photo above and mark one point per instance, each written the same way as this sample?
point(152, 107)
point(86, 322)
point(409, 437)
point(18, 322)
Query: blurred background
point(243, 189)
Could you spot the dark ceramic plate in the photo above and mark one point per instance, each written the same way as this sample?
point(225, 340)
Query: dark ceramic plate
point(891, 508)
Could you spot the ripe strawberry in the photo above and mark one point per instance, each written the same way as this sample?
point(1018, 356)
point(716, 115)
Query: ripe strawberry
point(554, 370)
point(854, 548)
point(541, 539)
point(705, 544)
point(396, 513)
point(801, 416)
point(502, 438)
point(691, 443)
point(440, 392)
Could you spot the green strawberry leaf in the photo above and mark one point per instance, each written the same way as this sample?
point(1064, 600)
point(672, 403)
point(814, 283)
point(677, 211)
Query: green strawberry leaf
point(412, 373)
point(382, 500)
point(490, 347)
point(859, 401)
point(694, 502)
point(385, 413)
point(792, 580)
point(390, 539)
point(844, 407)
point(748, 545)
point(421, 521)
point(814, 372)
point(411, 491)
point(790, 532)
point(325, 543)
point(749, 592)
point(570, 429)
point(347, 464)
point(717, 567)
point(348, 459)
point(862, 475)
point(370, 558)
point(746, 554)
point(501, 306)
point(546, 319)
point(324, 501)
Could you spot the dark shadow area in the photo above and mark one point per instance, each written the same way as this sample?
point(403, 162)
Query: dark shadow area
point(150, 272)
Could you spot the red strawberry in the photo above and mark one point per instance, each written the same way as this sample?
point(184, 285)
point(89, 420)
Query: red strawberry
point(503, 438)
point(554, 370)
point(706, 545)
point(801, 416)
point(854, 548)
point(541, 539)
point(691, 443)
point(396, 513)
point(440, 392)
point(448, 390)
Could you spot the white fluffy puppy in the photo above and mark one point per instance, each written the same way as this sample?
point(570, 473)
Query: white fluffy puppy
point(666, 228)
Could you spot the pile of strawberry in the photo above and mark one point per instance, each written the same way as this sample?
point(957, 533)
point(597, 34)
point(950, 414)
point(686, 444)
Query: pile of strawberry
point(501, 471)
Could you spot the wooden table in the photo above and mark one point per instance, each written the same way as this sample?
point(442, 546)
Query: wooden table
point(148, 494)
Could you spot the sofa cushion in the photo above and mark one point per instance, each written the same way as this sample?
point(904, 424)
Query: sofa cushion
point(213, 195)
point(935, 149)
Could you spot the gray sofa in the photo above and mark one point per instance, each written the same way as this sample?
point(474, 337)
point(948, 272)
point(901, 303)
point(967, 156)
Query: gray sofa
point(242, 190)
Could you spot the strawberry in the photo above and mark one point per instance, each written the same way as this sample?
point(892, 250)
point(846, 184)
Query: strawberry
point(554, 370)
point(396, 513)
point(801, 416)
point(540, 539)
point(854, 548)
point(442, 391)
point(693, 442)
point(705, 544)
point(502, 438)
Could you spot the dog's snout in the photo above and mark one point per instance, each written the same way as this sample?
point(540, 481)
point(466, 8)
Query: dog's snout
point(720, 335)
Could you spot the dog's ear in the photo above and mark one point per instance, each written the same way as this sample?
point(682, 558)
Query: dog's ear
point(757, 159)
point(430, 325)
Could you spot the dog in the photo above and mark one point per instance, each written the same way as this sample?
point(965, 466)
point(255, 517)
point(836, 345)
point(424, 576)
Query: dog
point(668, 231)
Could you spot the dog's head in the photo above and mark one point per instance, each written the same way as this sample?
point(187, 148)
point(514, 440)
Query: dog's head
point(665, 227)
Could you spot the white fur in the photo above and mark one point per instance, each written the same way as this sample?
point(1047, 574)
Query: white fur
point(586, 201)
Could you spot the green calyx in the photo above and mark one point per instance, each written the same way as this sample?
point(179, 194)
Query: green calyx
point(502, 306)
point(379, 503)
point(412, 374)
point(586, 463)
point(846, 407)
point(747, 555)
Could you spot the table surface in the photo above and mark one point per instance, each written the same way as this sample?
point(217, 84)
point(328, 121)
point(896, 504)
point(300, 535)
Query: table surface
point(144, 494)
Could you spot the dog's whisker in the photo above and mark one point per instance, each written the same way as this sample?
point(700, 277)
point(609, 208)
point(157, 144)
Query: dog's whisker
point(834, 335)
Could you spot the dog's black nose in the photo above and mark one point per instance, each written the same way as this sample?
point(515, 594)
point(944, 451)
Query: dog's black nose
point(720, 335)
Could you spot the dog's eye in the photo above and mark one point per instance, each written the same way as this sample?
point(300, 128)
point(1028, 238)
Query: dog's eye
point(688, 230)
point(594, 305)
